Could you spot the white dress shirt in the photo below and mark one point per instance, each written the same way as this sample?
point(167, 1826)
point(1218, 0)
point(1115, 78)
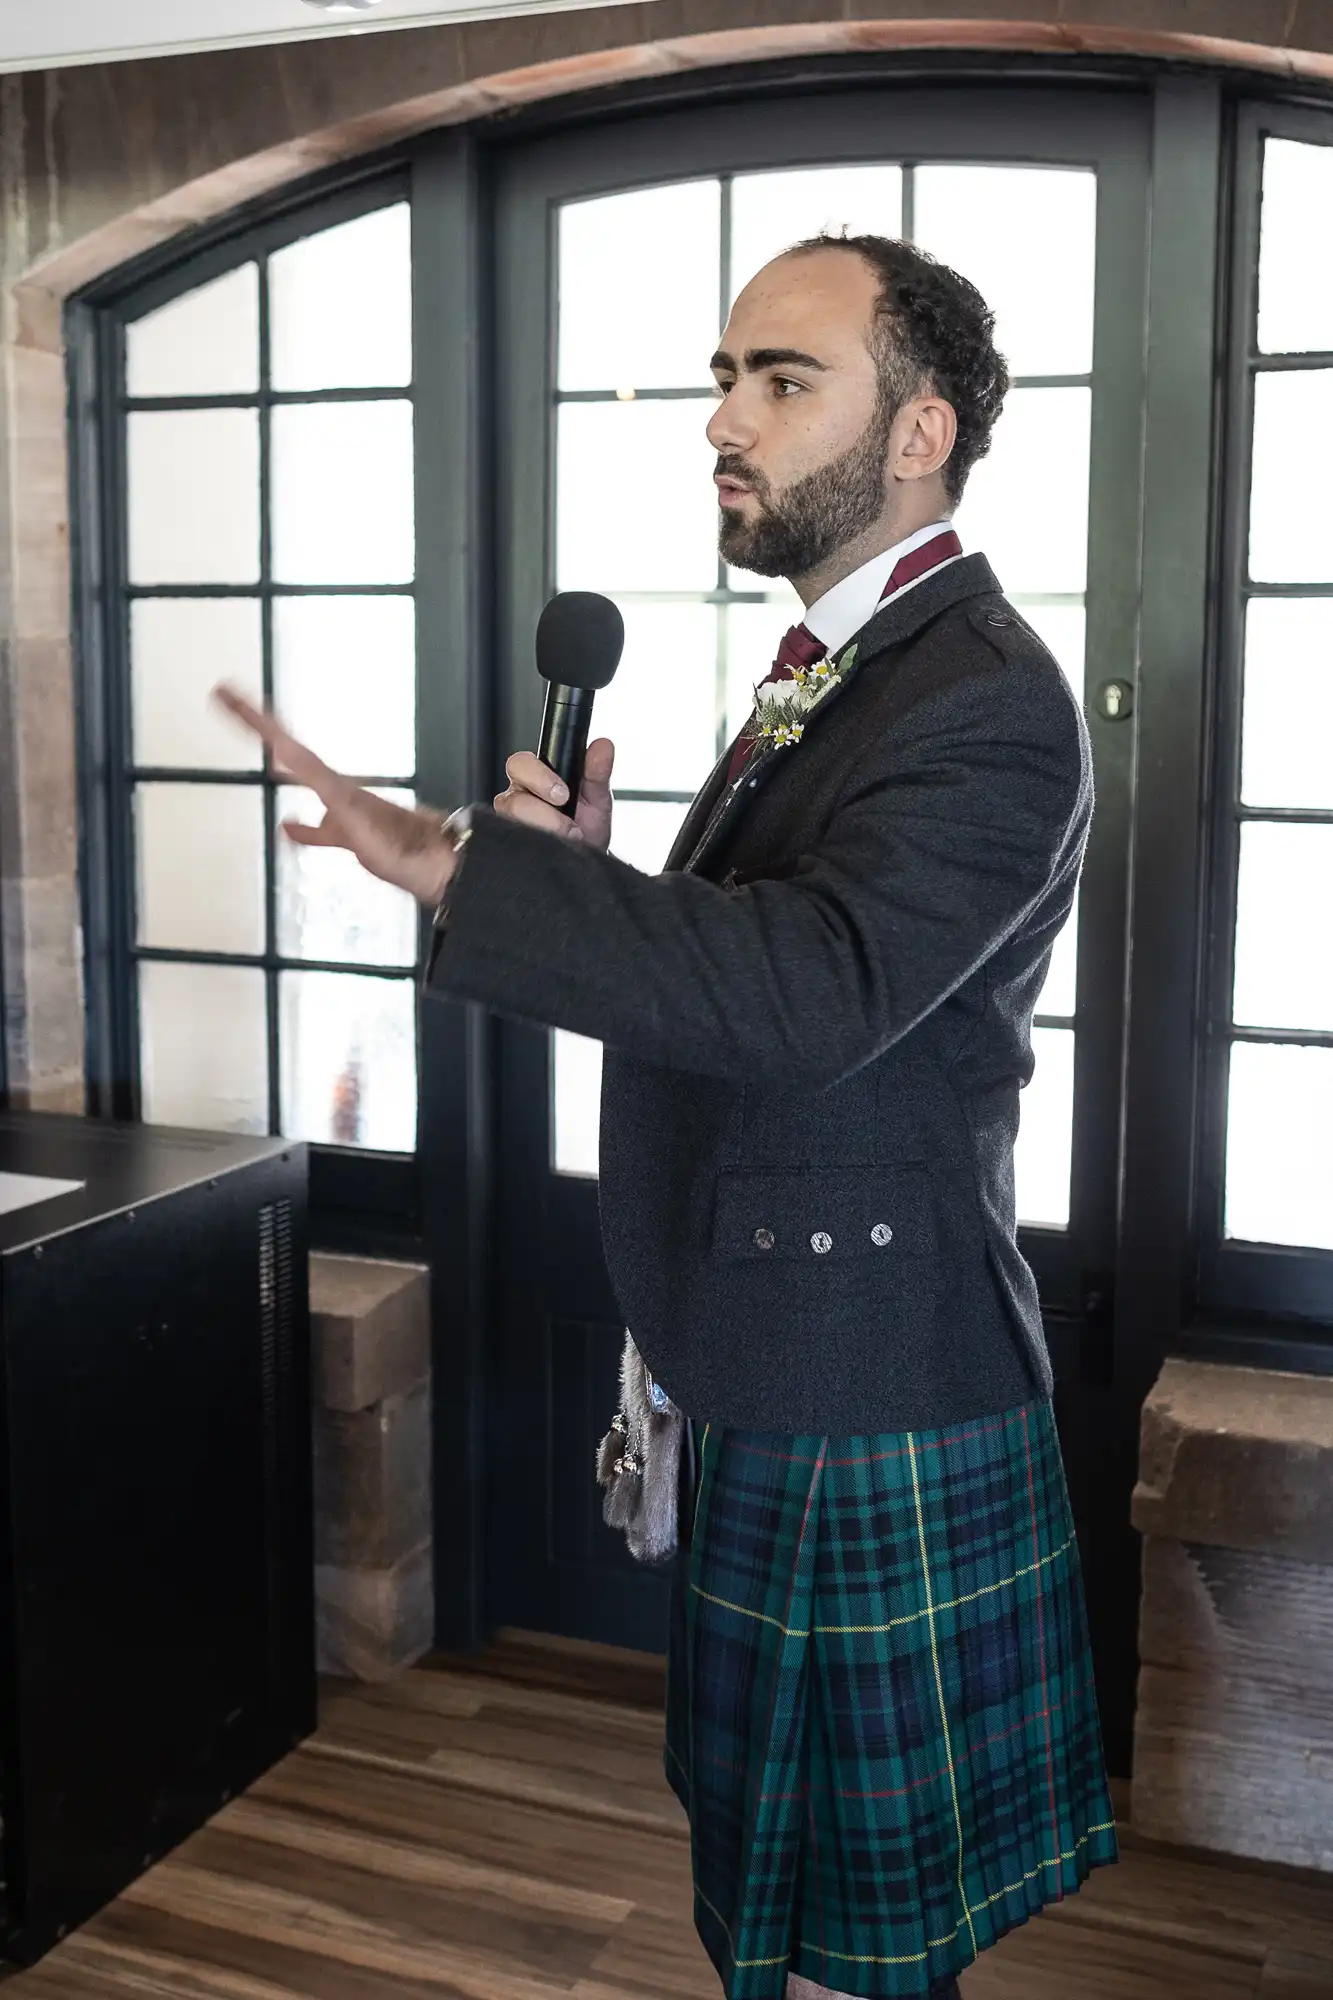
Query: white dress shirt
point(849, 605)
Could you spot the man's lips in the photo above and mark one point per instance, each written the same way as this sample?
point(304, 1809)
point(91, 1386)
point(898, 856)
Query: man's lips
point(729, 491)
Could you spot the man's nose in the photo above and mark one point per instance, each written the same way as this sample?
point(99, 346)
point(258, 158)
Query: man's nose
point(727, 429)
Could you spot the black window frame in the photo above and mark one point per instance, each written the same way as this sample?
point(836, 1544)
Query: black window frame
point(358, 1196)
point(1272, 1298)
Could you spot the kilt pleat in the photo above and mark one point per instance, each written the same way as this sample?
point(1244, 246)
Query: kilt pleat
point(881, 1717)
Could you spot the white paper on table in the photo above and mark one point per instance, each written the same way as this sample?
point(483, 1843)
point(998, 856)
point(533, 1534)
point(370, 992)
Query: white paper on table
point(22, 1190)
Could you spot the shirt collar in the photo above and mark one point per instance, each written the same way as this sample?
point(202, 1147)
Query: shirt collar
point(852, 603)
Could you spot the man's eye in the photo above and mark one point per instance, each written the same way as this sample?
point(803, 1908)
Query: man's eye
point(784, 385)
point(721, 389)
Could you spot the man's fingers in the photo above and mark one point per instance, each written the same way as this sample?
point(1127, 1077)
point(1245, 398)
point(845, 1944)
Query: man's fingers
point(527, 773)
point(597, 765)
point(325, 834)
point(288, 753)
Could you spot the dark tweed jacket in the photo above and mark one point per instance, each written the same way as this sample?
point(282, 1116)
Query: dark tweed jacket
point(817, 1022)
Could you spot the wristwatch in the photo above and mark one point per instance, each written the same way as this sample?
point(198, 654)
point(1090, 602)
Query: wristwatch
point(457, 830)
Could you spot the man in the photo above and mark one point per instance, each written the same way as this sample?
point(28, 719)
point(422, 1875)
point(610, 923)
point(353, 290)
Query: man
point(880, 1711)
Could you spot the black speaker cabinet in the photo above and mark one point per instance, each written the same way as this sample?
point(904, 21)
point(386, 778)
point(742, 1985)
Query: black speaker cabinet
point(156, 1563)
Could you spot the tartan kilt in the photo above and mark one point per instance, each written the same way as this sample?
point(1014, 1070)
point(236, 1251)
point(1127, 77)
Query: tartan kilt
point(880, 1709)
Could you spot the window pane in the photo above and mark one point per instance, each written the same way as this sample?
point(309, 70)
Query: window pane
point(576, 1090)
point(1279, 1186)
point(340, 305)
point(770, 212)
point(1043, 1154)
point(1287, 742)
point(343, 493)
point(1025, 506)
point(665, 538)
point(329, 907)
point(1062, 627)
point(660, 710)
point(1295, 274)
point(193, 480)
point(642, 832)
point(205, 343)
point(180, 648)
point(639, 304)
point(1027, 239)
point(327, 651)
point(1291, 508)
point(199, 853)
point(1284, 941)
point(203, 1046)
point(1059, 993)
point(754, 632)
point(349, 1060)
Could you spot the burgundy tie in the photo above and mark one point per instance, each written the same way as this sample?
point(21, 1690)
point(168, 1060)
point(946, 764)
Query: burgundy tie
point(800, 648)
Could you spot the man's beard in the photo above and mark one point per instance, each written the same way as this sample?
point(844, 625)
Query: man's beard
point(812, 519)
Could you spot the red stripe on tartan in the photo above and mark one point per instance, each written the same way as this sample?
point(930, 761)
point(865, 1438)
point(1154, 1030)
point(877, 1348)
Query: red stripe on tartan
point(1041, 1644)
point(875, 1457)
point(932, 1777)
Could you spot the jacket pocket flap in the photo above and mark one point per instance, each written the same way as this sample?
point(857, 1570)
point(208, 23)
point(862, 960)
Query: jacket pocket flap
point(825, 1213)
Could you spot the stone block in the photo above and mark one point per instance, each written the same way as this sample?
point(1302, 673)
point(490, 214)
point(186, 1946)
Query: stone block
point(372, 1480)
point(372, 1623)
point(1239, 1458)
point(369, 1329)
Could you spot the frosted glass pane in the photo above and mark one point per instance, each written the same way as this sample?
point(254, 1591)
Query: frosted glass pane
point(576, 1093)
point(1295, 273)
point(1279, 1186)
point(199, 865)
point(327, 652)
point(205, 343)
point(1043, 1155)
point(329, 907)
point(343, 493)
point(1284, 941)
point(349, 1060)
point(1059, 992)
point(770, 212)
point(667, 538)
point(639, 304)
point(754, 632)
point(1027, 239)
point(180, 648)
point(203, 1046)
point(1287, 741)
point(660, 711)
point(1291, 504)
point(340, 305)
point(1025, 506)
point(193, 478)
point(642, 831)
point(1063, 628)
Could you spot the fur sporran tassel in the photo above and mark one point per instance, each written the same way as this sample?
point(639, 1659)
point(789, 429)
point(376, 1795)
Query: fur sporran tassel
point(638, 1463)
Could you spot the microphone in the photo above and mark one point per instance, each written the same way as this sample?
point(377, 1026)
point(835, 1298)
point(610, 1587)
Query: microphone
point(580, 636)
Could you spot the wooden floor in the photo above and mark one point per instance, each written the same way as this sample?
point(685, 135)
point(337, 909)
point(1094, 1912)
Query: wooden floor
point(507, 1834)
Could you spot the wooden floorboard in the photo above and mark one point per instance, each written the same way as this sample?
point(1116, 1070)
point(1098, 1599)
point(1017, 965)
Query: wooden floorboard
point(498, 1827)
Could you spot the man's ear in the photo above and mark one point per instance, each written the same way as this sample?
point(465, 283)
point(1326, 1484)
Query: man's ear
point(929, 426)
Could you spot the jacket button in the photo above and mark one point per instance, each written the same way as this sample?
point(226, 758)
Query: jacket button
point(881, 1234)
point(763, 1239)
point(998, 618)
point(820, 1242)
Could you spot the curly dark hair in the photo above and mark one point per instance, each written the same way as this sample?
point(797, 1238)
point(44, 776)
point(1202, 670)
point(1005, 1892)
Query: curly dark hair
point(934, 332)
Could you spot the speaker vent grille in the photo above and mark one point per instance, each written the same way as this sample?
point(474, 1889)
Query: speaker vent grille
point(275, 1346)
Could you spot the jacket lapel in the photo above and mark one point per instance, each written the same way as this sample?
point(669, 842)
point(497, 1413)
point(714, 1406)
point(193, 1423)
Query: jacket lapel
point(719, 807)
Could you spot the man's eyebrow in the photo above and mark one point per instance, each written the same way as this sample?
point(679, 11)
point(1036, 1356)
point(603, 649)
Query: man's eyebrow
point(757, 358)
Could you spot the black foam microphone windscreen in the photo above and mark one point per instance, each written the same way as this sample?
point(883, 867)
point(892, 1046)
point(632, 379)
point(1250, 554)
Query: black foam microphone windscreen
point(580, 636)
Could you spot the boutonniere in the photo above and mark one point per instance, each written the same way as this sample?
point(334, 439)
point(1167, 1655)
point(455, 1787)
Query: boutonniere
point(782, 706)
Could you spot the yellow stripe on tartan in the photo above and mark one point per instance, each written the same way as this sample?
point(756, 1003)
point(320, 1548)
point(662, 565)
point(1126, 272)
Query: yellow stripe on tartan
point(939, 1684)
point(932, 1944)
point(907, 1618)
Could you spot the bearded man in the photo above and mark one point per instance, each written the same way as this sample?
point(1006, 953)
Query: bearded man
point(881, 1718)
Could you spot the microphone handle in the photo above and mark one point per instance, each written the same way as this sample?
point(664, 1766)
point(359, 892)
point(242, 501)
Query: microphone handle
point(566, 720)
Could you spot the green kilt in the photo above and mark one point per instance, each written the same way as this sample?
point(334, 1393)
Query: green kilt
point(880, 1710)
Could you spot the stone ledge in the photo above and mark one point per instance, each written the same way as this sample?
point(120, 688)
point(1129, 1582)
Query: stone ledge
point(369, 1329)
point(372, 1623)
point(1238, 1458)
point(373, 1480)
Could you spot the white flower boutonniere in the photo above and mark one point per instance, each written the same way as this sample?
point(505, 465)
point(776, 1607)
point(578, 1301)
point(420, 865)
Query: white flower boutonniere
point(782, 706)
